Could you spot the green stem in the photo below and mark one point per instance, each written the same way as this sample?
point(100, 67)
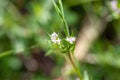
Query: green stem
point(5, 53)
point(66, 26)
point(63, 18)
point(74, 66)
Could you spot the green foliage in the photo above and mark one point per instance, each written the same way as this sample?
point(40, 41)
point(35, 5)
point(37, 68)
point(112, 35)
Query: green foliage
point(25, 24)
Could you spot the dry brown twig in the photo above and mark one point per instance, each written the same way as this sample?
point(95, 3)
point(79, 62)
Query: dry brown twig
point(92, 28)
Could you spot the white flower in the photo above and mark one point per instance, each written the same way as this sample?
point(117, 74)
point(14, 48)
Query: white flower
point(114, 6)
point(54, 38)
point(54, 34)
point(70, 39)
point(58, 41)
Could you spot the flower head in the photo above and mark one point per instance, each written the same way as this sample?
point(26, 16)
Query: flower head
point(54, 38)
point(114, 5)
point(70, 39)
point(54, 34)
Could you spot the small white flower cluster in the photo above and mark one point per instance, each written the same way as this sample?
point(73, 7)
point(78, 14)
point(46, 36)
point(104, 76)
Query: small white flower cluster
point(70, 39)
point(55, 39)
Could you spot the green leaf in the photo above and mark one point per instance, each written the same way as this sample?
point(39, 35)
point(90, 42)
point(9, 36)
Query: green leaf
point(86, 76)
point(57, 9)
point(49, 52)
point(61, 7)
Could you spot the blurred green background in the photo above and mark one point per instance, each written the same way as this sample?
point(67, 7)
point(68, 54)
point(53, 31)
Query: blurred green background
point(25, 52)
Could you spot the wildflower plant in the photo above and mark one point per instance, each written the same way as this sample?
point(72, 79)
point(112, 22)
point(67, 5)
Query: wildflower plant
point(65, 44)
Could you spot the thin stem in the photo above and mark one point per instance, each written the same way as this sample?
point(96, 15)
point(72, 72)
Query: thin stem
point(5, 53)
point(64, 21)
point(60, 12)
point(74, 66)
point(66, 26)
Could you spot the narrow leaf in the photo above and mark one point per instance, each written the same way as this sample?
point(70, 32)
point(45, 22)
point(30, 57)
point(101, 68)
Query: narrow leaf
point(61, 7)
